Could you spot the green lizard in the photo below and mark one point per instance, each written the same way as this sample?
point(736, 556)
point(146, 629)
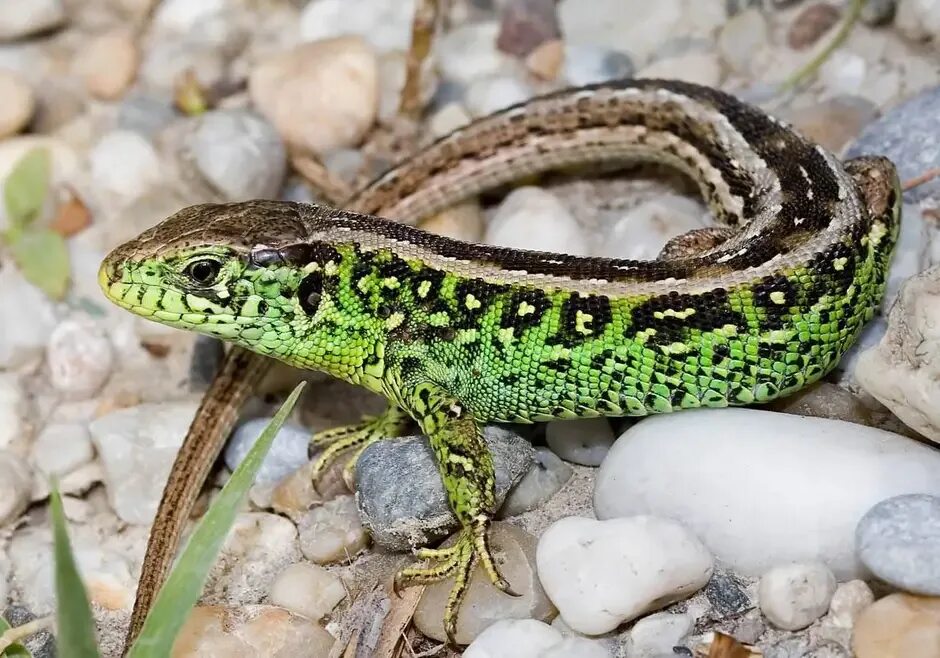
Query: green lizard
point(456, 335)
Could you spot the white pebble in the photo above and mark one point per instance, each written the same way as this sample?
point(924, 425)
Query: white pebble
point(288, 451)
point(793, 596)
point(848, 602)
point(469, 52)
point(584, 441)
point(16, 482)
point(60, 448)
point(656, 635)
point(18, 104)
point(576, 647)
point(124, 165)
point(741, 36)
point(332, 532)
point(782, 466)
point(918, 20)
point(320, 96)
point(386, 24)
point(514, 638)
point(600, 574)
point(80, 358)
point(643, 231)
point(13, 410)
point(542, 481)
point(448, 119)
point(616, 24)
point(843, 72)
point(530, 218)
point(490, 94)
point(308, 590)
point(108, 64)
point(695, 67)
point(22, 19)
point(22, 342)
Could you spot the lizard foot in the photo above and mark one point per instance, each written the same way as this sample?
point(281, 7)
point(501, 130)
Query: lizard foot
point(391, 423)
point(457, 560)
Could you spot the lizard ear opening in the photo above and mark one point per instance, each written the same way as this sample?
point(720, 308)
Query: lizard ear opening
point(310, 291)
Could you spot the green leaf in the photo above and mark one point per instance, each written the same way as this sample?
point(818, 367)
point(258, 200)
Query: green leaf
point(76, 637)
point(26, 187)
point(184, 585)
point(15, 650)
point(43, 258)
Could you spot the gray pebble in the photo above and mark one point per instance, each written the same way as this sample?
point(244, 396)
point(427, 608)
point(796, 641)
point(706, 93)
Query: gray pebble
point(909, 135)
point(899, 541)
point(726, 594)
point(287, 454)
point(146, 114)
point(400, 493)
point(878, 12)
point(208, 353)
point(733, 7)
point(546, 477)
point(586, 64)
point(41, 644)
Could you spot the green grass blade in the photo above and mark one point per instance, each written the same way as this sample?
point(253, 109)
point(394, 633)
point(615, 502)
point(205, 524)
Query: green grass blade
point(24, 192)
point(184, 585)
point(76, 637)
point(15, 650)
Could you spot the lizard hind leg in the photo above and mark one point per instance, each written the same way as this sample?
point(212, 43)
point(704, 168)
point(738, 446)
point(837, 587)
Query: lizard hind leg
point(391, 423)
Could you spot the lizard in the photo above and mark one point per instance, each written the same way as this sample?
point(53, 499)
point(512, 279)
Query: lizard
point(457, 334)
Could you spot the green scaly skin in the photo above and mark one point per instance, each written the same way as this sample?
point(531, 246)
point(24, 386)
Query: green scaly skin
point(453, 350)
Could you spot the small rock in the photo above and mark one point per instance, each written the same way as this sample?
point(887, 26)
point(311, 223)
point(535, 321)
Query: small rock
point(308, 590)
point(742, 36)
point(61, 448)
point(918, 20)
point(602, 573)
point(256, 631)
point(288, 451)
point(108, 64)
point(525, 207)
point(525, 25)
point(546, 477)
point(18, 105)
point(899, 626)
point(332, 532)
point(834, 122)
point(843, 72)
point(294, 495)
point(514, 552)
point(811, 23)
point(897, 540)
point(124, 165)
point(208, 353)
point(877, 13)
point(584, 441)
point(656, 635)
point(23, 19)
point(514, 638)
point(16, 480)
point(901, 371)
point(400, 493)
point(145, 114)
point(908, 134)
point(697, 68)
point(461, 222)
point(585, 64)
point(614, 24)
point(41, 644)
point(825, 400)
point(545, 61)
point(726, 593)
point(469, 52)
point(643, 231)
point(795, 595)
point(491, 94)
point(448, 119)
point(576, 646)
point(280, 88)
point(393, 71)
point(137, 446)
point(14, 410)
point(385, 24)
point(848, 602)
point(743, 517)
point(80, 358)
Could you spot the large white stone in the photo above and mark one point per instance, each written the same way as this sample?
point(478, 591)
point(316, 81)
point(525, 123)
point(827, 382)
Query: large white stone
point(531, 218)
point(762, 488)
point(514, 638)
point(793, 596)
point(600, 574)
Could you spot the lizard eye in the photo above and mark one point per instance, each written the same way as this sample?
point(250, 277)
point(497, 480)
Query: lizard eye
point(203, 271)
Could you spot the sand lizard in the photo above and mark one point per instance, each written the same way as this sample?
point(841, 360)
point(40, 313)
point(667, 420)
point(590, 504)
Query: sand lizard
point(457, 334)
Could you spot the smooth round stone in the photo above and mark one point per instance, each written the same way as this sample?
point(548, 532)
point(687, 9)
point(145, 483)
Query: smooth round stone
point(22, 342)
point(281, 87)
point(461, 222)
point(239, 154)
point(878, 12)
point(542, 481)
point(469, 52)
point(576, 646)
point(899, 540)
point(288, 451)
point(833, 122)
point(583, 441)
point(614, 24)
point(514, 551)
point(124, 165)
point(491, 94)
point(332, 532)
point(80, 358)
point(918, 20)
point(22, 19)
point(16, 480)
point(793, 596)
point(586, 64)
point(643, 231)
point(843, 72)
point(393, 71)
point(18, 105)
point(386, 24)
point(61, 448)
point(825, 400)
point(14, 410)
point(308, 590)
point(528, 207)
point(600, 574)
point(848, 602)
point(145, 114)
point(899, 626)
point(448, 118)
point(657, 634)
point(811, 23)
point(514, 638)
point(752, 481)
point(742, 36)
point(109, 63)
point(697, 68)
point(525, 25)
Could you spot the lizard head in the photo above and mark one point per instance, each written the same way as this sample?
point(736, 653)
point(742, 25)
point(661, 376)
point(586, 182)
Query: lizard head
point(229, 271)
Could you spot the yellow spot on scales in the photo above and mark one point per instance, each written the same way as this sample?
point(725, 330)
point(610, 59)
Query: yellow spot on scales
point(673, 313)
point(581, 320)
point(472, 302)
point(504, 335)
point(394, 320)
point(525, 308)
point(312, 267)
point(675, 348)
point(777, 297)
point(391, 282)
point(877, 232)
point(331, 268)
point(423, 289)
point(839, 263)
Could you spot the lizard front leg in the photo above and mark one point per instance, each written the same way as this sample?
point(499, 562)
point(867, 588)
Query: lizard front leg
point(466, 468)
point(390, 424)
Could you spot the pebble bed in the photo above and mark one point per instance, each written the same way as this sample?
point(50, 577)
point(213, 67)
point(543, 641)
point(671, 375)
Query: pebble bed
point(807, 529)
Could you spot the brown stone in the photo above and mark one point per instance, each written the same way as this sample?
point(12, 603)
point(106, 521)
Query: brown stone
point(527, 24)
point(899, 626)
point(811, 23)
